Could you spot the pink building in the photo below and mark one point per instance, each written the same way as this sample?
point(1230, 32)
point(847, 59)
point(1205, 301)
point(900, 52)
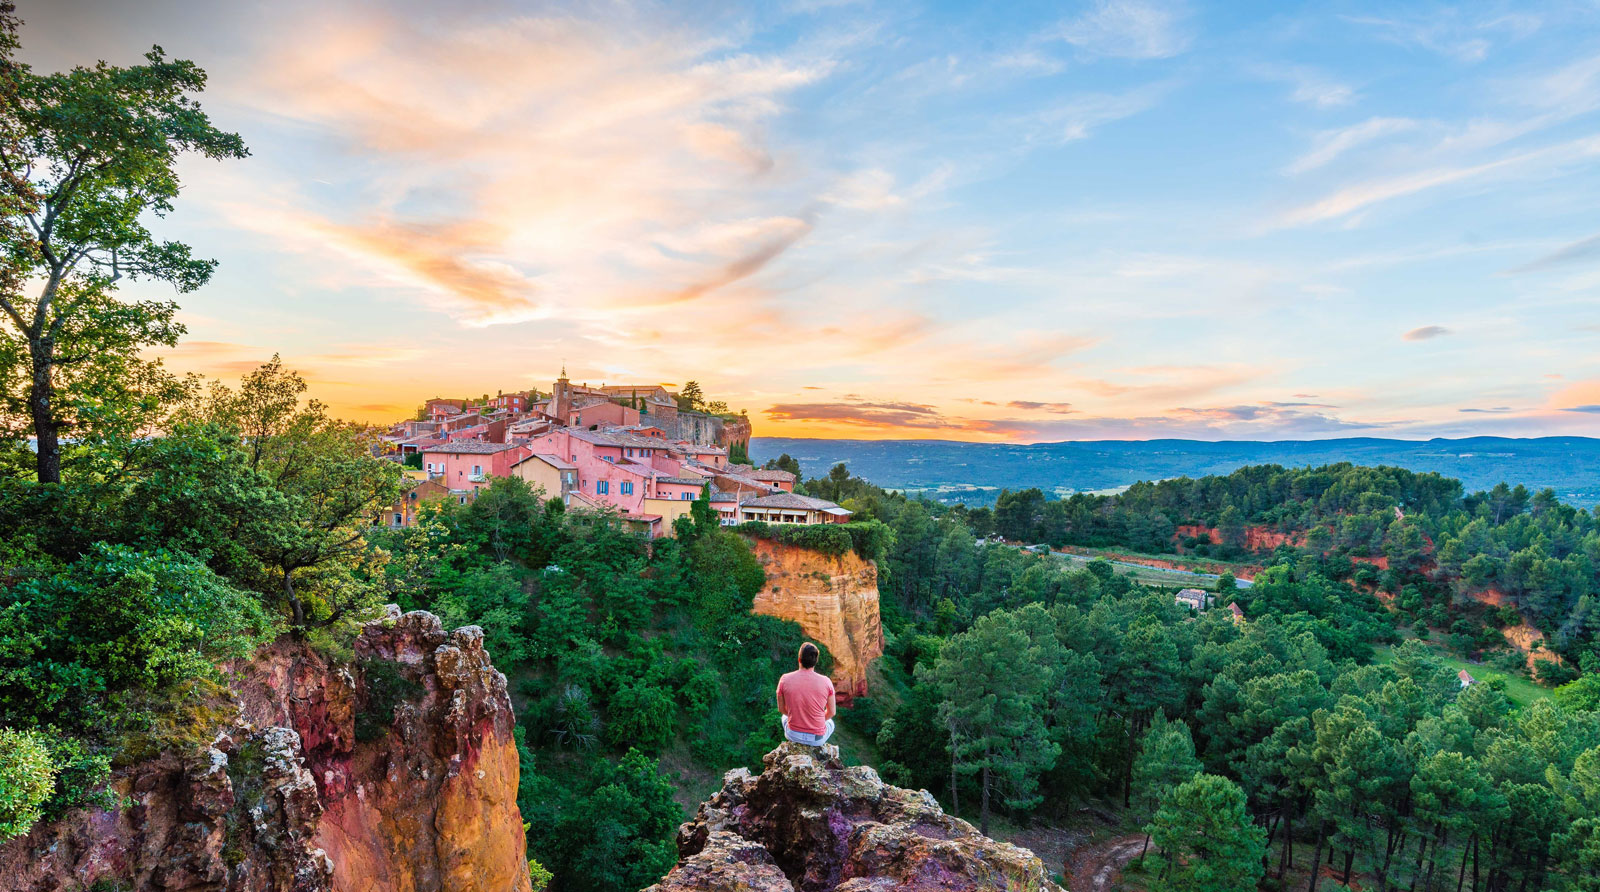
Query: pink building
point(466, 466)
point(604, 413)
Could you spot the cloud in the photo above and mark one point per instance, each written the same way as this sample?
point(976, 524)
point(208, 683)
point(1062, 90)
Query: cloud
point(1309, 86)
point(1577, 252)
point(451, 258)
point(1330, 144)
point(1492, 410)
point(1079, 117)
point(1036, 406)
point(872, 414)
point(1350, 199)
point(1449, 32)
point(1127, 29)
point(1592, 409)
point(1425, 332)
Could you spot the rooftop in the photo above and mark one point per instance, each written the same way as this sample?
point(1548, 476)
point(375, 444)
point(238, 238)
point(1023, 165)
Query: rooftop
point(790, 500)
point(471, 447)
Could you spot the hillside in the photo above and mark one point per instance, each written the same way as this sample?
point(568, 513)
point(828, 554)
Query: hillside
point(975, 472)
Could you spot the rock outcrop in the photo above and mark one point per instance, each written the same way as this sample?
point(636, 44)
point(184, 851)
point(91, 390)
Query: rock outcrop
point(397, 773)
point(808, 824)
point(835, 601)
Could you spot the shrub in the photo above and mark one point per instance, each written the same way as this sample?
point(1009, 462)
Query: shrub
point(27, 778)
point(869, 539)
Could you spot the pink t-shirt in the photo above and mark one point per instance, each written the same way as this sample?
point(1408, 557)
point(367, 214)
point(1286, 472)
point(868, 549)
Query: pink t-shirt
point(805, 696)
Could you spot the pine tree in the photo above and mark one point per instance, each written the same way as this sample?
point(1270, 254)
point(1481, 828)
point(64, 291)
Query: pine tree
point(1208, 842)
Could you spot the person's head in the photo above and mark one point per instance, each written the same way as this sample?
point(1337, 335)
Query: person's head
point(809, 656)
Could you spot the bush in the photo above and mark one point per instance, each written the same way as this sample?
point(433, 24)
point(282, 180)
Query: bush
point(115, 625)
point(869, 539)
point(27, 778)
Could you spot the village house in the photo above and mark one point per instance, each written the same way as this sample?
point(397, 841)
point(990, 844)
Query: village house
point(466, 467)
point(414, 495)
point(553, 474)
point(1194, 598)
point(783, 480)
point(790, 508)
point(1234, 613)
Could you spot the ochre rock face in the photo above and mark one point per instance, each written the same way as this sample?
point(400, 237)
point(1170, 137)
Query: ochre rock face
point(834, 600)
point(808, 824)
point(288, 799)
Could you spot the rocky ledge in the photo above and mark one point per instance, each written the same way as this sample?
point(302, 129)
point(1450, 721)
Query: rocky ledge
point(806, 823)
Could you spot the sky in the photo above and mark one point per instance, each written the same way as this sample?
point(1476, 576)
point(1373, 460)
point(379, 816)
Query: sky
point(1116, 219)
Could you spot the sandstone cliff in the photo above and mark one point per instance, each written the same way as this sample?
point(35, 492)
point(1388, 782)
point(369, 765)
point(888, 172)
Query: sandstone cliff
point(397, 774)
point(835, 601)
point(808, 824)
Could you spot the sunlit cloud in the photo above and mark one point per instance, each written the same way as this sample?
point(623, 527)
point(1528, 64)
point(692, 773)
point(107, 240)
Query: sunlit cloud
point(1425, 333)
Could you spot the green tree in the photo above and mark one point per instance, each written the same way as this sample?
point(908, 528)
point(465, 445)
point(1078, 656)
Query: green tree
point(1206, 839)
point(618, 838)
point(691, 396)
point(329, 487)
point(1166, 760)
point(992, 681)
point(85, 156)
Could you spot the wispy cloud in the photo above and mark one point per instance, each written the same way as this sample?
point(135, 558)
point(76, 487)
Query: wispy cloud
point(1129, 29)
point(1425, 333)
point(1581, 251)
point(1331, 144)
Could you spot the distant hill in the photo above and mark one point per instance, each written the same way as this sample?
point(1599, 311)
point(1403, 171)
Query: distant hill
point(975, 472)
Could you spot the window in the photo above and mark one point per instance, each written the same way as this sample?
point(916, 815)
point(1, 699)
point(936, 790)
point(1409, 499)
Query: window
point(602, 486)
point(397, 520)
point(627, 487)
point(685, 496)
point(477, 470)
point(463, 499)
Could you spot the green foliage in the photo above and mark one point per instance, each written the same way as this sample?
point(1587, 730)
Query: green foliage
point(27, 778)
point(93, 151)
point(868, 539)
point(1207, 841)
point(111, 625)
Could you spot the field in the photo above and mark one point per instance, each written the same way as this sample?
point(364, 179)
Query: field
point(1520, 690)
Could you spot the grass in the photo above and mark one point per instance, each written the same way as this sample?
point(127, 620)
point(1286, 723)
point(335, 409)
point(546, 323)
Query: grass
point(1521, 691)
point(1154, 576)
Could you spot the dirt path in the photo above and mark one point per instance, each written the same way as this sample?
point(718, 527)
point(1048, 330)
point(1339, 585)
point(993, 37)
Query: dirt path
point(1095, 868)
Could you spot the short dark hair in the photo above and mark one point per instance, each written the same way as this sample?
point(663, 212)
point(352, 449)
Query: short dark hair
point(809, 655)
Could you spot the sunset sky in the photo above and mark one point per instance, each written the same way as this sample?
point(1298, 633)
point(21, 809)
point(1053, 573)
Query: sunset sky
point(1117, 219)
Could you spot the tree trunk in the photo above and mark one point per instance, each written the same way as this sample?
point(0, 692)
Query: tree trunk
point(955, 797)
point(983, 820)
point(41, 408)
point(1422, 850)
point(1461, 875)
point(1316, 857)
point(1349, 861)
point(1286, 859)
point(1475, 864)
point(297, 609)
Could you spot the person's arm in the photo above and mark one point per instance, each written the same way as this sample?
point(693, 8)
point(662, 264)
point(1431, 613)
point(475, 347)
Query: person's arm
point(833, 700)
point(780, 696)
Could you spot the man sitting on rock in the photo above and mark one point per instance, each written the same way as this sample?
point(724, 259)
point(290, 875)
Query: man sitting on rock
point(806, 700)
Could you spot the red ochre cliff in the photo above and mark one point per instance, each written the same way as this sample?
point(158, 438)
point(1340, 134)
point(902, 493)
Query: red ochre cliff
point(288, 799)
point(806, 823)
point(833, 599)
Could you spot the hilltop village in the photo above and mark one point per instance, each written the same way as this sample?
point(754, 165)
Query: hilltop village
point(639, 450)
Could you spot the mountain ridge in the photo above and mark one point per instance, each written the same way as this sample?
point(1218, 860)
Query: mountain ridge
point(955, 470)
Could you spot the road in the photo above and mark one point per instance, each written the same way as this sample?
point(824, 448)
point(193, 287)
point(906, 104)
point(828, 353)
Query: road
point(1096, 868)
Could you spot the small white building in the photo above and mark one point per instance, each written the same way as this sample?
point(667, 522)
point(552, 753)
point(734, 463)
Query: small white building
point(1194, 598)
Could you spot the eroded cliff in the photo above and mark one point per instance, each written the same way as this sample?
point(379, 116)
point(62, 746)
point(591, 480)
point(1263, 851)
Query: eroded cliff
point(834, 600)
point(395, 774)
point(808, 824)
